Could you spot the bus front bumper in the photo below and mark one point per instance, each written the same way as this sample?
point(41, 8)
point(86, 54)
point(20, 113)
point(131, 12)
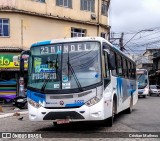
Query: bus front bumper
point(83, 113)
point(143, 92)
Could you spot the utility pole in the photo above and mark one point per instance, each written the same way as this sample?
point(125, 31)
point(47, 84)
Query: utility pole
point(121, 42)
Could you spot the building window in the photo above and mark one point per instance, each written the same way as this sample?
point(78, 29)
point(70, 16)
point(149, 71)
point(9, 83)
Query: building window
point(103, 35)
point(75, 32)
point(42, 1)
point(88, 5)
point(4, 27)
point(104, 8)
point(64, 3)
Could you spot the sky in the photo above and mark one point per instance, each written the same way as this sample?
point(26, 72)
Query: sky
point(129, 15)
point(132, 16)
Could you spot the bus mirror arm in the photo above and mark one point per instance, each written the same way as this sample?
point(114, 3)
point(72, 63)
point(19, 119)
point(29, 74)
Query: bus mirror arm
point(27, 52)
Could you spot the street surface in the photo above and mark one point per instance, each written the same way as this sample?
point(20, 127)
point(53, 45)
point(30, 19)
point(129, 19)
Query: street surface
point(144, 118)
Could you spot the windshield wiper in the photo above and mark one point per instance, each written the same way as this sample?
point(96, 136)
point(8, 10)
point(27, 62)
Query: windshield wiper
point(74, 75)
point(44, 84)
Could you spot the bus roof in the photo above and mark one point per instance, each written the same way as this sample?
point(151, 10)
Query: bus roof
point(65, 40)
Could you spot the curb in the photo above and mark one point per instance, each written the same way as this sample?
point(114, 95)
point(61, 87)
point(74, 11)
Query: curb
point(11, 114)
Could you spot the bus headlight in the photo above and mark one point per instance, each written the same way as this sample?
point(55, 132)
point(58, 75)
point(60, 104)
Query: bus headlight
point(92, 101)
point(146, 89)
point(34, 104)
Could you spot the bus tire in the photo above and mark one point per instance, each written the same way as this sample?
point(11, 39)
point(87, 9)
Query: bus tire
point(109, 121)
point(144, 96)
point(129, 110)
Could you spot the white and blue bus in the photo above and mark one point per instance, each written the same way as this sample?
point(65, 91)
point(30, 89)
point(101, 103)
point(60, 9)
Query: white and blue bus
point(143, 82)
point(79, 79)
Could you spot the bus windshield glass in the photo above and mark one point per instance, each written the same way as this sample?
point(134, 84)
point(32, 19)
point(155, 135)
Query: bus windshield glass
point(142, 78)
point(65, 66)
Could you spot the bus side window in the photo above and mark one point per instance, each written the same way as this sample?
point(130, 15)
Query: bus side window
point(127, 73)
point(106, 71)
point(113, 62)
point(106, 65)
point(133, 71)
point(124, 68)
point(119, 65)
point(129, 69)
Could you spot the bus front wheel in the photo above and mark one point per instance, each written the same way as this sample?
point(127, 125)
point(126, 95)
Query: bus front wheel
point(109, 121)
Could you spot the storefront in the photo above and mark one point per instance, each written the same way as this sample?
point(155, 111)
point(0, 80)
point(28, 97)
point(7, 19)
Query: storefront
point(10, 74)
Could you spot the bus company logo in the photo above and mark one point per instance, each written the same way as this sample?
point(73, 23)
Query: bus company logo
point(61, 102)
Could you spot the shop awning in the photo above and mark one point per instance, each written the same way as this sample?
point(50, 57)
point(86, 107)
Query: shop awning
point(9, 69)
point(10, 49)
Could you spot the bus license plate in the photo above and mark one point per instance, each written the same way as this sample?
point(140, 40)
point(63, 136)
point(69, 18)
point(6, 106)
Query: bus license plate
point(62, 121)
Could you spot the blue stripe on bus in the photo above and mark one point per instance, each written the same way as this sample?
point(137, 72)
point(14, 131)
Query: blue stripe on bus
point(41, 43)
point(37, 97)
point(119, 86)
point(74, 105)
point(120, 91)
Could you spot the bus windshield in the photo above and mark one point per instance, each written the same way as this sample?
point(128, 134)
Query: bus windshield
point(142, 78)
point(65, 66)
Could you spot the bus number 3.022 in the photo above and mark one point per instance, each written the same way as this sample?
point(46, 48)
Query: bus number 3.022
point(79, 101)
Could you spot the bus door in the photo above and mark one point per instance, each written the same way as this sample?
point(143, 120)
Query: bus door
point(106, 76)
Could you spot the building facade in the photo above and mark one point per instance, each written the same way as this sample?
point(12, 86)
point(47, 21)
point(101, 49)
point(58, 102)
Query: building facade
point(145, 60)
point(155, 73)
point(23, 22)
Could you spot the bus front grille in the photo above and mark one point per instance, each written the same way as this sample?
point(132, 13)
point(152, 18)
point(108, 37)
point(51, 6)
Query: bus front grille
point(63, 115)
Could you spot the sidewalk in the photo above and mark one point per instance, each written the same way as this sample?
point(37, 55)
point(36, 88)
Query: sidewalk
point(8, 110)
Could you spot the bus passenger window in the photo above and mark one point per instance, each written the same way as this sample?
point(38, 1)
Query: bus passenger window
point(106, 66)
point(134, 71)
point(119, 65)
point(129, 69)
point(113, 63)
point(106, 70)
point(124, 68)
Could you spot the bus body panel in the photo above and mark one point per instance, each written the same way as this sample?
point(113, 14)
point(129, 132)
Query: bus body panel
point(124, 88)
point(95, 112)
point(85, 113)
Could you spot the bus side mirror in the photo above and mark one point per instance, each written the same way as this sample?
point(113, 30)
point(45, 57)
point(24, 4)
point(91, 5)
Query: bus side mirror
point(22, 62)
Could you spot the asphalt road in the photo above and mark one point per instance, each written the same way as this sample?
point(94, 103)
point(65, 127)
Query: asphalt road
point(144, 118)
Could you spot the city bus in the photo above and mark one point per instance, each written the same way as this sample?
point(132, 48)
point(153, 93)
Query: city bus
point(143, 82)
point(79, 79)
